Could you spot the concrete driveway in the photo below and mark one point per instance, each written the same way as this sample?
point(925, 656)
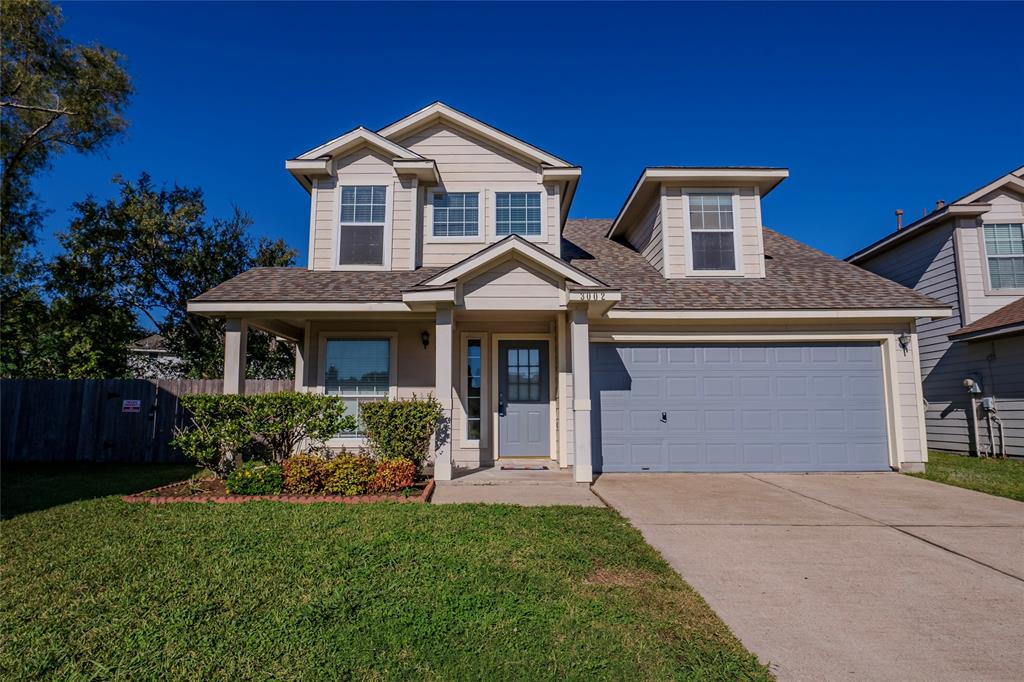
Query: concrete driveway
point(845, 576)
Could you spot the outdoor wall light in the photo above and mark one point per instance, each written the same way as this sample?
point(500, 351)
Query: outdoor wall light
point(904, 340)
point(425, 338)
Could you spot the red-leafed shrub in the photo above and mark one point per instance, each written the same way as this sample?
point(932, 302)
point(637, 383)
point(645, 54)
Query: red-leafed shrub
point(304, 474)
point(393, 474)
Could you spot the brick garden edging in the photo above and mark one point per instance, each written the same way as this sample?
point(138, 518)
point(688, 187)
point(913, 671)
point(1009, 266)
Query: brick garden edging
point(294, 499)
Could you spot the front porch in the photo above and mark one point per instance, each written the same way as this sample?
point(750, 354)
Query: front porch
point(497, 412)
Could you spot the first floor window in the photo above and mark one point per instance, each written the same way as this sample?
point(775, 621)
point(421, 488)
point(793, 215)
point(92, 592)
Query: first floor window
point(361, 231)
point(712, 232)
point(517, 213)
point(1004, 248)
point(474, 381)
point(358, 370)
point(456, 214)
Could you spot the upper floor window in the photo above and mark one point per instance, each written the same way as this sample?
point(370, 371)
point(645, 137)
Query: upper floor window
point(712, 232)
point(517, 213)
point(1004, 248)
point(456, 214)
point(362, 225)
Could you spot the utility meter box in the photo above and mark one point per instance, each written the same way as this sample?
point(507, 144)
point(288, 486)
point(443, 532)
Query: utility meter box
point(988, 404)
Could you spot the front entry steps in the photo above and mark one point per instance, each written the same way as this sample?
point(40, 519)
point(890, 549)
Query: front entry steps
point(497, 475)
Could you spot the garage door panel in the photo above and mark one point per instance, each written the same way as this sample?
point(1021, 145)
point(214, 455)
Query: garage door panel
point(747, 407)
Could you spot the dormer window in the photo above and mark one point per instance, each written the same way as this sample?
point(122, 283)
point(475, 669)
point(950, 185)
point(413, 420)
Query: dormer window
point(712, 232)
point(361, 232)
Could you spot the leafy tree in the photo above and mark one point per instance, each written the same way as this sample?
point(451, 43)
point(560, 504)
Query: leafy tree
point(55, 97)
point(147, 252)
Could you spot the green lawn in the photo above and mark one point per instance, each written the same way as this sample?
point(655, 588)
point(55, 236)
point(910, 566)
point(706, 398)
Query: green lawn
point(1003, 477)
point(99, 588)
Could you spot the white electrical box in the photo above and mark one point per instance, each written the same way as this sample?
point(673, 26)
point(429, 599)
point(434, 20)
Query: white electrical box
point(988, 404)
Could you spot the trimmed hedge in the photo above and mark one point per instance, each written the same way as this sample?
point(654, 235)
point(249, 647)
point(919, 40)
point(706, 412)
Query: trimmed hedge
point(224, 430)
point(401, 429)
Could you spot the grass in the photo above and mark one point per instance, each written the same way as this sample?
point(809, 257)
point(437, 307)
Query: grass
point(1002, 477)
point(27, 488)
point(99, 588)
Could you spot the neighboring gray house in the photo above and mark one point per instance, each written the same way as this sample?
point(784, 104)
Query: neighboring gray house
point(970, 254)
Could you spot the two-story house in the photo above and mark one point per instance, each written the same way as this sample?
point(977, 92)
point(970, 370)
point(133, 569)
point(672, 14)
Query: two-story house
point(681, 336)
point(969, 254)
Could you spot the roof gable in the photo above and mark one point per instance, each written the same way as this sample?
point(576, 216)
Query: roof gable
point(441, 112)
point(499, 252)
point(355, 138)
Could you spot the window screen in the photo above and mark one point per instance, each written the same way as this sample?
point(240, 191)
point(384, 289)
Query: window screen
point(362, 224)
point(517, 213)
point(456, 214)
point(1004, 247)
point(711, 232)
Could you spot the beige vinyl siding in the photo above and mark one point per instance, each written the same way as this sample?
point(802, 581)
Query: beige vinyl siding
point(750, 233)
point(324, 223)
point(980, 299)
point(467, 163)
point(645, 237)
point(511, 286)
point(402, 224)
point(750, 256)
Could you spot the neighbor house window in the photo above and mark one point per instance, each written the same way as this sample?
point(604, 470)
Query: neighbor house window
point(474, 374)
point(712, 232)
point(362, 225)
point(1004, 247)
point(517, 213)
point(456, 214)
point(358, 370)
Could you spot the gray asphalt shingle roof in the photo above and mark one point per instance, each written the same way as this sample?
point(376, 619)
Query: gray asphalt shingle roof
point(797, 277)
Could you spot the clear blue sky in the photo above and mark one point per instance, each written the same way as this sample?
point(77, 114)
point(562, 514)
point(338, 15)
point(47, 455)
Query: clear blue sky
point(871, 107)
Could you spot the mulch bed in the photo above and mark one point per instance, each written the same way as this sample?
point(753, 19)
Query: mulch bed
point(212, 490)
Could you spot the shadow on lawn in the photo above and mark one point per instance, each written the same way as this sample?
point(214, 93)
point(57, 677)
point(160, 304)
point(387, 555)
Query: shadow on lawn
point(27, 488)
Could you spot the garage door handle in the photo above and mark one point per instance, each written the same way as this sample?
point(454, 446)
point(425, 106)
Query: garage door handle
point(664, 417)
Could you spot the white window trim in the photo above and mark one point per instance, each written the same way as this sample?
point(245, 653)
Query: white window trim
point(986, 275)
point(737, 227)
point(492, 212)
point(392, 337)
point(389, 203)
point(481, 230)
point(480, 443)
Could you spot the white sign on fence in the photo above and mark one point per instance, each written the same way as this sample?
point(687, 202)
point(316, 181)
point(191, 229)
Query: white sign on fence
point(131, 406)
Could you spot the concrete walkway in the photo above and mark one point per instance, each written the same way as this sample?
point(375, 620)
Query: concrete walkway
point(845, 576)
point(493, 485)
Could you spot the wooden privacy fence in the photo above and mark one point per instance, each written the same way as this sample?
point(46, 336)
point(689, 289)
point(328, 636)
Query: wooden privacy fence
point(101, 420)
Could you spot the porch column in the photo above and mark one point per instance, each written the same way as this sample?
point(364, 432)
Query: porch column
point(443, 393)
point(300, 366)
point(236, 333)
point(583, 468)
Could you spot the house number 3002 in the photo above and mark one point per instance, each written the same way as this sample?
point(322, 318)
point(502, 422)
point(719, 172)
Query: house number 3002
point(592, 295)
